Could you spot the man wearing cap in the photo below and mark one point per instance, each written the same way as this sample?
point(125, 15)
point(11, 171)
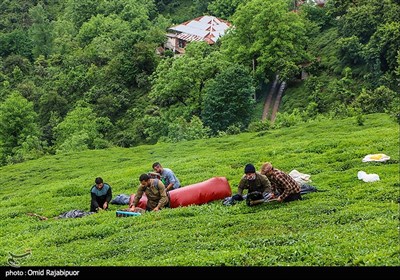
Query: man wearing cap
point(281, 183)
point(253, 181)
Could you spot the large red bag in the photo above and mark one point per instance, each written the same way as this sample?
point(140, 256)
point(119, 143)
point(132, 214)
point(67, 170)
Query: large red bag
point(196, 194)
point(200, 193)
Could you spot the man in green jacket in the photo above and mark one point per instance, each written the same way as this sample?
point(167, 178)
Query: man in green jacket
point(155, 191)
point(254, 182)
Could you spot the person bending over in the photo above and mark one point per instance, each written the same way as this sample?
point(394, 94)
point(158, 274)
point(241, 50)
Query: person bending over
point(155, 191)
point(101, 195)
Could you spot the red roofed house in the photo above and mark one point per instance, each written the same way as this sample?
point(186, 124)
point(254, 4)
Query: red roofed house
point(204, 28)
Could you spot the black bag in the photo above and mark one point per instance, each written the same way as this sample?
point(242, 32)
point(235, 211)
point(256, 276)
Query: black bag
point(237, 197)
point(253, 196)
point(305, 188)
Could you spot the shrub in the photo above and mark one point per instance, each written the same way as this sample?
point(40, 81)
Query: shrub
point(287, 120)
point(257, 126)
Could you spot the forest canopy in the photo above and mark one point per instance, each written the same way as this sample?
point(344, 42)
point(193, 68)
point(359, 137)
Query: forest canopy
point(85, 74)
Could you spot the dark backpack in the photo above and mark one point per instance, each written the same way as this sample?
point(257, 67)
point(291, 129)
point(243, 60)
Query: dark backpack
point(253, 196)
point(156, 184)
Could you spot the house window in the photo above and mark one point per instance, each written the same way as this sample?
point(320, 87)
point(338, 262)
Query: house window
point(181, 43)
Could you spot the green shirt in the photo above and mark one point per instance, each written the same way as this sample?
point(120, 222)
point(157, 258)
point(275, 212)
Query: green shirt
point(156, 194)
point(260, 184)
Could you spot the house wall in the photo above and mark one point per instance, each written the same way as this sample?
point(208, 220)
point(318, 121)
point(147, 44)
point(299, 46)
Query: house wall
point(173, 44)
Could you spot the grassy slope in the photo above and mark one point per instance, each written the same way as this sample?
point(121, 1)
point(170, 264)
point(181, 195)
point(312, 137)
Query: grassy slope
point(351, 223)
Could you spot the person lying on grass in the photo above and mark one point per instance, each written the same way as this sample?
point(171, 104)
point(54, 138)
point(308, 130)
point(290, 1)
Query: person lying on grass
point(283, 184)
point(255, 183)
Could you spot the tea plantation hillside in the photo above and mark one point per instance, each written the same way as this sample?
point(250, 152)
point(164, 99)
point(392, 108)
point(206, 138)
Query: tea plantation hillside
point(349, 222)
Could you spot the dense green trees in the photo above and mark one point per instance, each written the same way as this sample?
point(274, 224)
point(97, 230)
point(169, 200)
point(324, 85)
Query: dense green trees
point(87, 74)
point(370, 32)
point(178, 86)
point(179, 82)
point(357, 55)
point(268, 38)
point(224, 8)
point(80, 130)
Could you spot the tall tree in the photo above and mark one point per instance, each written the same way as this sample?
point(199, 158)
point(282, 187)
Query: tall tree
point(41, 31)
point(229, 99)
point(18, 126)
point(268, 38)
point(180, 81)
point(80, 130)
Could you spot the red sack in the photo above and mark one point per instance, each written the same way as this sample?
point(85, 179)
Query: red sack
point(200, 193)
point(196, 194)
